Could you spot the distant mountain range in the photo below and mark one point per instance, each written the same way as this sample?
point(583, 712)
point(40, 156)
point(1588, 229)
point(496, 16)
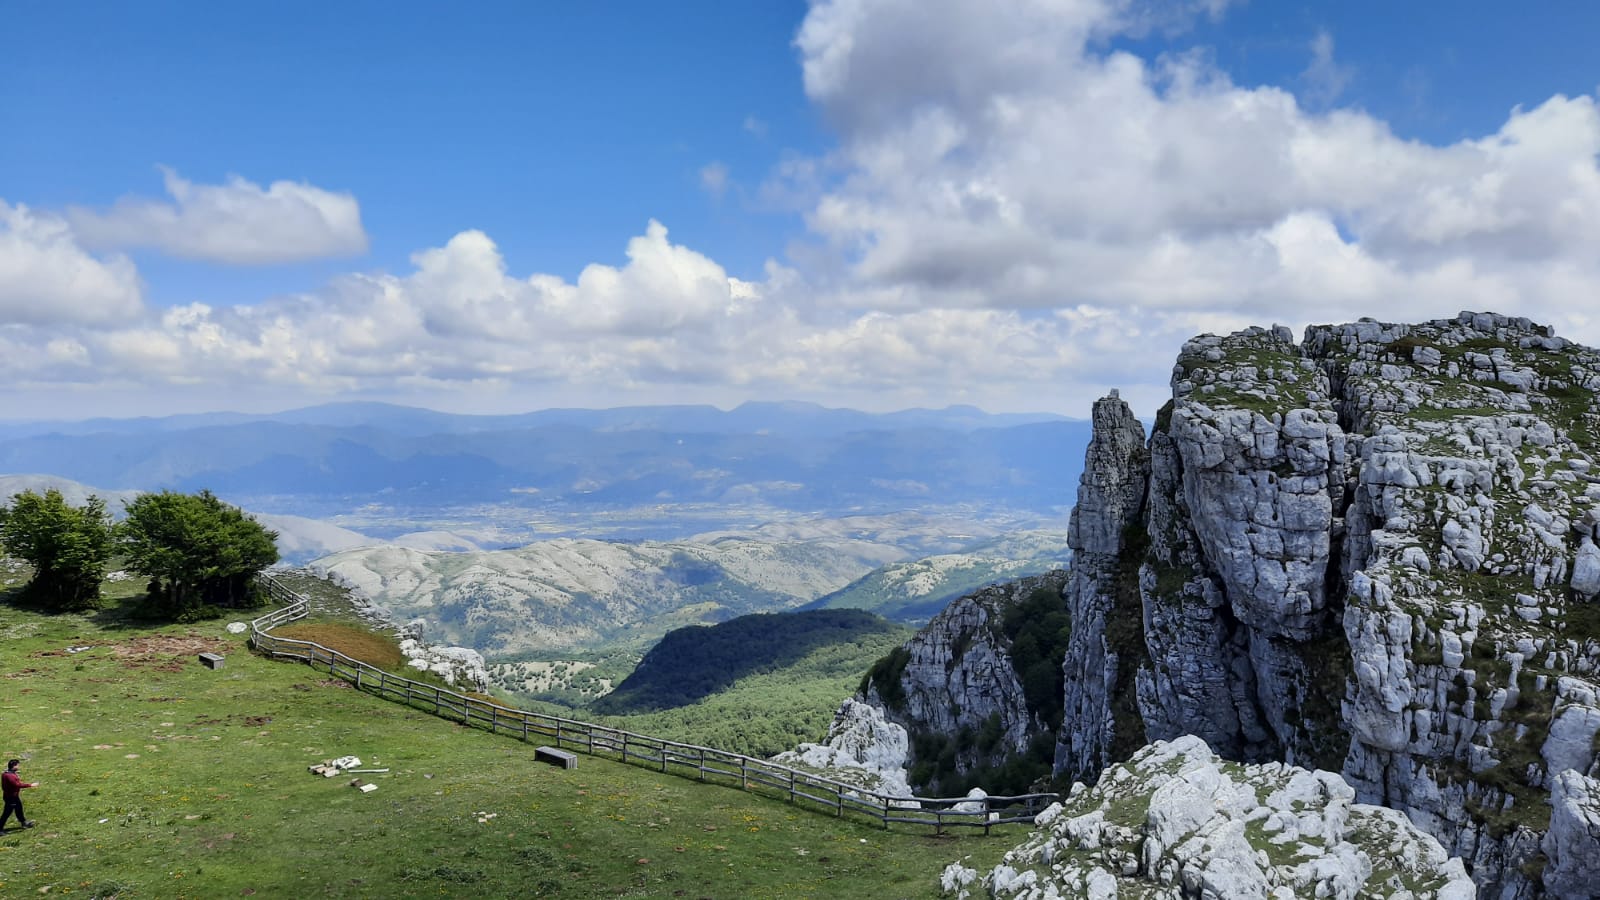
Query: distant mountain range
point(552, 598)
point(563, 530)
point(569, 594)
point(382, 471)
point(748, 418)
point(917, 590)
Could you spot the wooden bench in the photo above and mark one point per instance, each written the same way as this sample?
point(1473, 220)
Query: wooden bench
point(211, 660)
point(556, 757)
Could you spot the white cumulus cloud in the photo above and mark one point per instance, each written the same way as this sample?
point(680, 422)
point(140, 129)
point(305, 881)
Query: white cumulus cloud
point(236, 222)
point(46, 276)
point(1015, 215)
point(1005, 159)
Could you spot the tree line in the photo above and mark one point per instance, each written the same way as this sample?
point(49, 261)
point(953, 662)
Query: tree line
point(197, 551)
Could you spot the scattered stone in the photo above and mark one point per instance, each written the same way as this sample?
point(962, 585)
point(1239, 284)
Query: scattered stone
point(1176, 821)
point(862, 747)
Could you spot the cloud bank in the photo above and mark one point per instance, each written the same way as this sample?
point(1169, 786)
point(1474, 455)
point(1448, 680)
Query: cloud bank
point(1013, 216)
point(237, 222)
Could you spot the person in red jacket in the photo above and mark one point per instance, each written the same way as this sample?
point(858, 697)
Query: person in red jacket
point(13, 785)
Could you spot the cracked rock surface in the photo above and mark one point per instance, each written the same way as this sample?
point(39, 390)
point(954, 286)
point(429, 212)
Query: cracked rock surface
point(1374, 551)
point(1177, 821)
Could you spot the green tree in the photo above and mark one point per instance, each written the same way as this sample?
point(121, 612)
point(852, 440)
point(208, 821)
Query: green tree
point(197, 551)
point(68, 547)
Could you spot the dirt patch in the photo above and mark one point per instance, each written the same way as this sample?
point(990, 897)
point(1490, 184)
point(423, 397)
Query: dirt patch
point(24, 673)
point(253, 721)
point(335, 683)
point(162, 652)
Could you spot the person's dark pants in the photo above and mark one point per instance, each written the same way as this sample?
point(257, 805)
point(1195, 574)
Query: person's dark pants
point(14, 806)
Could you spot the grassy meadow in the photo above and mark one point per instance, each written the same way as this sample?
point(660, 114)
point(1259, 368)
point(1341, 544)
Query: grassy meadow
point(161, 778)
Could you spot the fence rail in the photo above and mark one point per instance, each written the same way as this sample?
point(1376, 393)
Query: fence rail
point(804, 789)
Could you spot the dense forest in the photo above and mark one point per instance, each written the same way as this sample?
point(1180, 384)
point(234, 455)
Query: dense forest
point(693, 663)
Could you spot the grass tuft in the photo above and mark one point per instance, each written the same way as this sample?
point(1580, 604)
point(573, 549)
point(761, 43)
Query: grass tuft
point(371, 648)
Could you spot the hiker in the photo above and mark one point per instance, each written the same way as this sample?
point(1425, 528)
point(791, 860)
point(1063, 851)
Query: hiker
point(13, 794)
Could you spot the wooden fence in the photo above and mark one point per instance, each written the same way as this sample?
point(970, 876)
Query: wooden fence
point(801, 788)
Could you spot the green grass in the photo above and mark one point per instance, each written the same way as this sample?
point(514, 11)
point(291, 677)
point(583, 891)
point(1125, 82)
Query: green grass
point(161, 778)
point(766, 713)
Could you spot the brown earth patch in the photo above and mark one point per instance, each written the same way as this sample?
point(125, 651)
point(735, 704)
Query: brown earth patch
point(164, 652)
point(373, 649)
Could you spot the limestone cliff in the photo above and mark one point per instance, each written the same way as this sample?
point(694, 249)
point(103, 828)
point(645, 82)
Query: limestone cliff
point(972, 696)
point(1375, 552)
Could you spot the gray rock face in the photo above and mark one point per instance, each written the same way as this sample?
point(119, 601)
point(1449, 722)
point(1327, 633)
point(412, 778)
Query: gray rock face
point(958, 675)
point(1573, 842)
point(1110, 500)
point(1176, 821)
point(458, 666)
point(862, 747)
point(1377, 551)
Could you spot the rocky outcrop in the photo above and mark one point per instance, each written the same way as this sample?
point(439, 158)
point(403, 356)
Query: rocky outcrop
point(458, 666)
point(1101, 594)
point(1376, 551)
point(960, 692)
point(1573, 842)
point(1176, 821)
point(862, 747)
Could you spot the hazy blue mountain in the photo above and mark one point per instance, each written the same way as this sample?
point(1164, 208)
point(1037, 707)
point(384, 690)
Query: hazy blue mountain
point(787, 456)
point(784, 418)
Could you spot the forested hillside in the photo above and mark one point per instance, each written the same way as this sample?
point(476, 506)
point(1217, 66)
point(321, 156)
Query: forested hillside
point(692, 663)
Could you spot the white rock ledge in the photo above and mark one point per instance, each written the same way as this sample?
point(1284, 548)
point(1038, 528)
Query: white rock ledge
point(1176, 821)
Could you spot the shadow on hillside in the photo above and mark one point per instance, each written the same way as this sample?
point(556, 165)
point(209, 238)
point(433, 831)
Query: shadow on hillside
point(110, 617)
point(121, 615)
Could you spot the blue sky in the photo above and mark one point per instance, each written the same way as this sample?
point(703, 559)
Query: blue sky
point(875, 203)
